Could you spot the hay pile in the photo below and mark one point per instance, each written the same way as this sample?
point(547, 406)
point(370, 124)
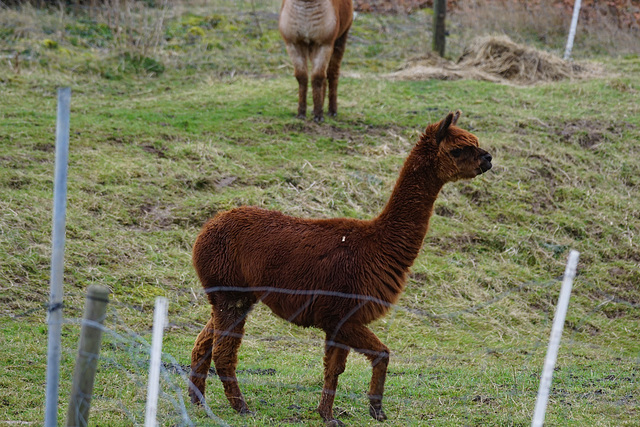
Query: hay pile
point(432, 66)
point(496, 59)
point(515, 62)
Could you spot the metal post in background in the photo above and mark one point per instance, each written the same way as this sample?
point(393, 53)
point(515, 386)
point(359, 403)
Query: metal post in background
point(57, 257)
point(572, 30)
point(554, 341)
point(159, 322)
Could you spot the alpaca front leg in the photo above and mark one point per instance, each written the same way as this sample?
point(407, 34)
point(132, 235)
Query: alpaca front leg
point(298, 55)
point(320, 58)
point(379, 365)
point(303, 83)
point(333, 73)
point(200, 362)
point(335, 359)
point(361, 339)
point(318, 85)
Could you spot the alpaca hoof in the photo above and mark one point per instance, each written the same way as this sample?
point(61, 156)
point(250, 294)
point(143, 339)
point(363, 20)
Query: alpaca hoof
point(377, 413)
point(242, 409)
point(195, 399)
point(332, 113)
point(301, 116)
point(318, 119)
point(328, 418)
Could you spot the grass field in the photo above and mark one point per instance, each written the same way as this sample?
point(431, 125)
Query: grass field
point(166, 132)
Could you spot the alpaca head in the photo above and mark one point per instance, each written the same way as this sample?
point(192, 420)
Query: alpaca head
point(456, 151)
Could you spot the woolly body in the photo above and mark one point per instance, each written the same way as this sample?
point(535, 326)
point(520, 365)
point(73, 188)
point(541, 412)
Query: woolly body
point(334, 274)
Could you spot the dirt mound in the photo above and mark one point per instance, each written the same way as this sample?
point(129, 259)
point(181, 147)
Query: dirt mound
point(496, 59)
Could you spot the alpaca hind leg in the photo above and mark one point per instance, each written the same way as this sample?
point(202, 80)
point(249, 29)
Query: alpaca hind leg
point(335, 359)
point(227, 339)
point(361, 339)
point(201, 362)
point(320, 57)
point(298, 55)
point(333, 73)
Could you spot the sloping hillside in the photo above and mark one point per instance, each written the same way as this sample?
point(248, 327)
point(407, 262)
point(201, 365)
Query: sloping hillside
point(180, 112)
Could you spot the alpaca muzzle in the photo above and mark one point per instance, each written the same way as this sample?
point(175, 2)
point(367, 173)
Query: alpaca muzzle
point(485, 163)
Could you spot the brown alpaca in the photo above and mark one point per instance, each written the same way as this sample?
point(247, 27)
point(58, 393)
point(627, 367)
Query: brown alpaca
point(316, 30)
point(334, 274)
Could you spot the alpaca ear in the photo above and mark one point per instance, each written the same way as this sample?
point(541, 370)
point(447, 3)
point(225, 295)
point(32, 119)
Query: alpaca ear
point(456, 116)
point(444, 126)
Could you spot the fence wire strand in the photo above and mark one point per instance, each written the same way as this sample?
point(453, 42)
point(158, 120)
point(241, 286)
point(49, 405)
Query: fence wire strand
point(125, 352)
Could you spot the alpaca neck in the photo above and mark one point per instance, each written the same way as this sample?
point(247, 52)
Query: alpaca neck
point(404, 222)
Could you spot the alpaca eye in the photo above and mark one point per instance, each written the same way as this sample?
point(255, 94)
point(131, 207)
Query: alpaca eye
point(456, 152)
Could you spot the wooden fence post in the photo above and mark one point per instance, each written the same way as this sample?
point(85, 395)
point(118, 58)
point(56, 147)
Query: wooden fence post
point(439, 15)
point(88, 353)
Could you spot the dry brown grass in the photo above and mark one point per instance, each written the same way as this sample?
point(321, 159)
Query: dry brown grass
point(544, 21)
point(431, 66)
point(136, 26)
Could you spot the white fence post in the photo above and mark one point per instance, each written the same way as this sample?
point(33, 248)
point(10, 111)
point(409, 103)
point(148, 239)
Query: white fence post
point(554, 341)
point(159, 321)
point(57, 257)
point(572, 30)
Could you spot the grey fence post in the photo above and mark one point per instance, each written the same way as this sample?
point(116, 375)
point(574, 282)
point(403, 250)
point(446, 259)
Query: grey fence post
point(88, 353)
point(57, 257)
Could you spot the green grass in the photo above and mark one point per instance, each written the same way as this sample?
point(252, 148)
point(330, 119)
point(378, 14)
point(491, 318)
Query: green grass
point(157, 151)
